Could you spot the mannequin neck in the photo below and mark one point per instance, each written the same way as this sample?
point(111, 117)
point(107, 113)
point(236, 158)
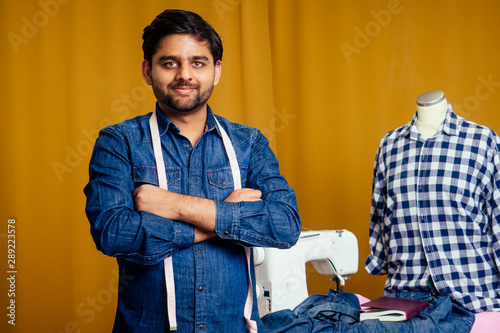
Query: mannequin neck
point(430, 118)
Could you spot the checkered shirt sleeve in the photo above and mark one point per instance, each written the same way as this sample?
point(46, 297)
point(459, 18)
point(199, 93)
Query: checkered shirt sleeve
point(435, 212)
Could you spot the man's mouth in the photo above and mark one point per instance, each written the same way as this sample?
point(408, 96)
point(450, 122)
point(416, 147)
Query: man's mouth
point(184, 89)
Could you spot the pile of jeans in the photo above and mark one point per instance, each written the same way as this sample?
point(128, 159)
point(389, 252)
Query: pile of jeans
point(339, 312)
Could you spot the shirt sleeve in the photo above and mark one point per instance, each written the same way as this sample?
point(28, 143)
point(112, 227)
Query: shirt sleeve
point(117, 229)
point(272, 222)
point(494, 203)
point(376, 263)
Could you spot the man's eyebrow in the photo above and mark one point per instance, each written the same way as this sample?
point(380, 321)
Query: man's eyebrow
point(176, 58)
point(165, 58)
point(200, 58)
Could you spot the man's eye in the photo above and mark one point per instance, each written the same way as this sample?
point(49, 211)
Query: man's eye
point(197, 64)
point(170, 64)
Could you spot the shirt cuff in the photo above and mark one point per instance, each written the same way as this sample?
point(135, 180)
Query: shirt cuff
point(184, 235)
point(375, 266)
point(227, 217)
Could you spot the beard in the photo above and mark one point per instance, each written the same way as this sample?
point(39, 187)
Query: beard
point(182, 104)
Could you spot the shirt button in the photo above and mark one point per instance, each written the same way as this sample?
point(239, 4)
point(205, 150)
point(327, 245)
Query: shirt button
point(199, 250)
point(200, 288)
point(223, 182)
point(195, 179)
point(186, 145)
point(201, 327)
point(226, 233)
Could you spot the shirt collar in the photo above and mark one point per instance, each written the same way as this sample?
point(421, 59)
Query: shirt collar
point(450, 125)
point(165, 124)
point(211, 124)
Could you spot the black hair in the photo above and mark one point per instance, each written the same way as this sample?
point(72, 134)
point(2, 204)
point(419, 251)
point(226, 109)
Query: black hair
point(173, 21)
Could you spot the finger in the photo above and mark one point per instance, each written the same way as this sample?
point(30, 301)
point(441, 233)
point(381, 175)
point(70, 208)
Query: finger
point(258, 193)
point(254, 193)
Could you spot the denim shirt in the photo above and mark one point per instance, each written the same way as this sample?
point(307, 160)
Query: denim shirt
point(211, 278)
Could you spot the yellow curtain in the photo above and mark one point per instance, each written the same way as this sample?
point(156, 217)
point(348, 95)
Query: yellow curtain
point(323, 79)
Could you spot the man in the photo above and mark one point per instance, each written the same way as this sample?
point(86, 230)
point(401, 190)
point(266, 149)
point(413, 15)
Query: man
point(203, 222)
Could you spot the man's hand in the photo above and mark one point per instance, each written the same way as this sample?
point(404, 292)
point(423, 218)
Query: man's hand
point(154, 200)
point(244, 194)
point(199, 212)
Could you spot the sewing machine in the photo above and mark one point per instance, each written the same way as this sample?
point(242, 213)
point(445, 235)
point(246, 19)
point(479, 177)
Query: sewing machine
point(281, 274)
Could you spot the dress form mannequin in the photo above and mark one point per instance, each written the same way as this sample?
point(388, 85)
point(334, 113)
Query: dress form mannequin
point(431, 110)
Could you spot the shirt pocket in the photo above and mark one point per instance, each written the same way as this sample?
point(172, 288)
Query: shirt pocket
point(147, 175)
point(221, 182)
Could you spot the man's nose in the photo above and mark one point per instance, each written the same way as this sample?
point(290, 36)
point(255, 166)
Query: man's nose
point(184, 73)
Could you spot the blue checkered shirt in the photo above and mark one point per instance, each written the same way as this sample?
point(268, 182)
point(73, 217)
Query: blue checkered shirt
point(435, 212)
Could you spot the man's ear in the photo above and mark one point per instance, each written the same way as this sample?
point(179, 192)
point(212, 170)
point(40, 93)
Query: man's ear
point(218, 72)
point(146, 72)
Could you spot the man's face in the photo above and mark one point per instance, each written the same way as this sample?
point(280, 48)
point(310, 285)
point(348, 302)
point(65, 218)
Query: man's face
point(182, 73)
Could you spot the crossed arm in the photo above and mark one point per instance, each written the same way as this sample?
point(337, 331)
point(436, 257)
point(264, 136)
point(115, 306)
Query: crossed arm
point(153, 223)
point(199, 212)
